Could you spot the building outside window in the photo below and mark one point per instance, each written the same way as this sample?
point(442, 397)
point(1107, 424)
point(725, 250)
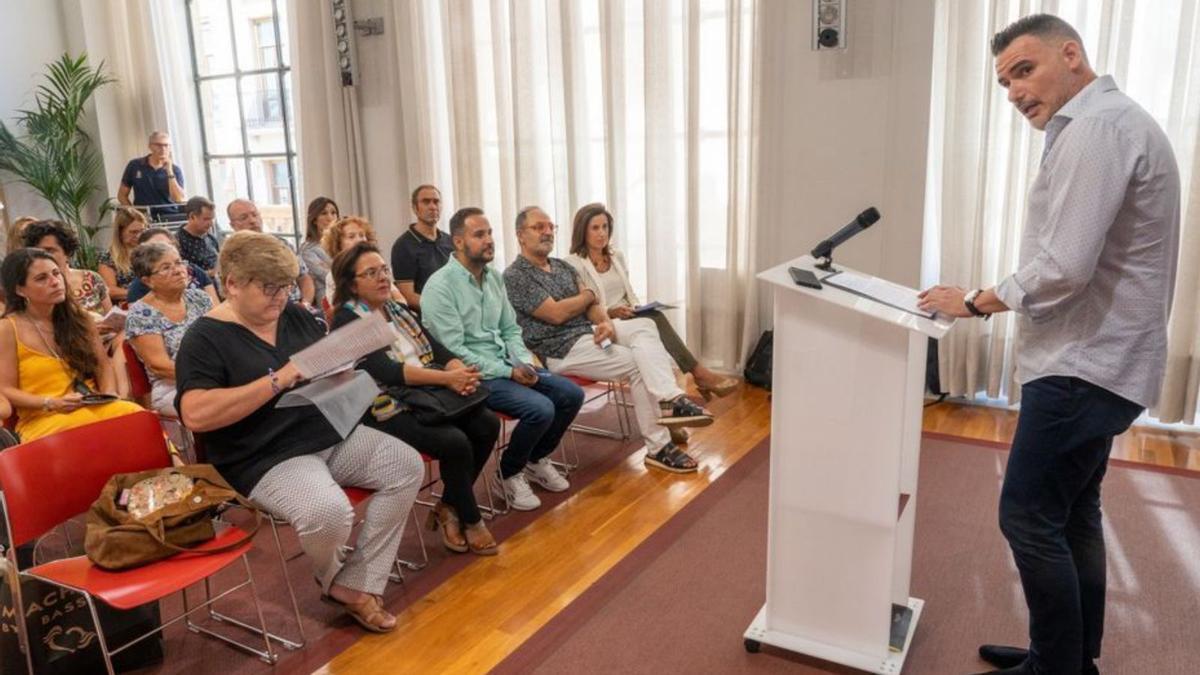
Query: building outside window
point(243, 84)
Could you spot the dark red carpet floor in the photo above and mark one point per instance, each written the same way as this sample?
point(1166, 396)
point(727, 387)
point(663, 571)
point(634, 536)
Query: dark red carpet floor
point(681, 601)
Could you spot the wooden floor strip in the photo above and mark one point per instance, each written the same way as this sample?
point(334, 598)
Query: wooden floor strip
point(477, 618)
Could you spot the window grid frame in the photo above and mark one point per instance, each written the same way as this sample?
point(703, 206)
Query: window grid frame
point(238, 75)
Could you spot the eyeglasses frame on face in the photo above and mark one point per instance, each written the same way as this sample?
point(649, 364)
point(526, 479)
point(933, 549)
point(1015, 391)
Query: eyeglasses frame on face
point(271, 291)
point(374, 272)
point(170, 267)
point(542, 228)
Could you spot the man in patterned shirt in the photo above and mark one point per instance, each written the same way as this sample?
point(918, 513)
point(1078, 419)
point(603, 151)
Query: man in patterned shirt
point(1092, 292)
point(198, 243)
point(563, 323)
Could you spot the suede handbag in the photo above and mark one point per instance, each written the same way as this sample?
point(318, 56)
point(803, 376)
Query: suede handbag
point(116, 539)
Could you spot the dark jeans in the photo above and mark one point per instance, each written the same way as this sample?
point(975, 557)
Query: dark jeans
point(543, 413)
point(1050, 515)
point(672, 342)
point(461, 448)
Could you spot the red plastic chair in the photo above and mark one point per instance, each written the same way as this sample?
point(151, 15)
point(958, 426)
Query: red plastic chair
point(328, 309)
point(139, 379)
point(52, 479)
point(625, 424)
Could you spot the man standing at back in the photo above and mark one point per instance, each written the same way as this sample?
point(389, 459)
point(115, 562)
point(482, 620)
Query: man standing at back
point(156, 181)
point(423, 248)
point(1093, 292)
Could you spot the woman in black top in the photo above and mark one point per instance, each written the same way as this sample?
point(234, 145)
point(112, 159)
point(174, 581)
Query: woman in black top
point(362, 285)
point(232, 367)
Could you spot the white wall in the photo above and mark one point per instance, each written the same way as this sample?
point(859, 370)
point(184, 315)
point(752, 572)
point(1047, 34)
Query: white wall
point(841, 131)
point(32, 34)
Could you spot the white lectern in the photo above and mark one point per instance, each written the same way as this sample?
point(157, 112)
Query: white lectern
point(848, 377)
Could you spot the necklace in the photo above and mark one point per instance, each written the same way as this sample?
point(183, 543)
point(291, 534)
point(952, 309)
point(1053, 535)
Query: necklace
point(42, 335)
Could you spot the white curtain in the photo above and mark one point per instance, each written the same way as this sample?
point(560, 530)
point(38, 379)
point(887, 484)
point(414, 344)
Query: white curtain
point(645, 105)
point(144, 45)
point(983, 158)
point(328, 123)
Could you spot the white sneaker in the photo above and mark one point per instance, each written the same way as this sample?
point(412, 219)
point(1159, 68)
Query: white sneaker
point(517, 493)
point(543, 473)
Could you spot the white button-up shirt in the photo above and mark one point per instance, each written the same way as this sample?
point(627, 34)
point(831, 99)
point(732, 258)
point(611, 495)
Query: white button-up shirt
point(1099, 250)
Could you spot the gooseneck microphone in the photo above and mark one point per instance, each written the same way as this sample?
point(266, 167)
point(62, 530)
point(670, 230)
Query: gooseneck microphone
point(824, 250)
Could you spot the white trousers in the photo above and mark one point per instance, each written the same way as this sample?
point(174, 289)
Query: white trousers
point(637, 355)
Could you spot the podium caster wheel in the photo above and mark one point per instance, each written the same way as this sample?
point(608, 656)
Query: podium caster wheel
point(752, 646)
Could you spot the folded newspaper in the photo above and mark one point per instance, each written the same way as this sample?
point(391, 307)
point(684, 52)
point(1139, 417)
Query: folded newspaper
point(343, 347)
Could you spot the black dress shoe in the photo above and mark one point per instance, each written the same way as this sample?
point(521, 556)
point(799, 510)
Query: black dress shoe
point(1002, 656)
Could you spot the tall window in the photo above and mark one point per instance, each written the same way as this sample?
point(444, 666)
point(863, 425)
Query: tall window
point(243, 85)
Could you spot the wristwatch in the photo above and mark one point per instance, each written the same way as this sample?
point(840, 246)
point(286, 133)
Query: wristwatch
point(969, 301)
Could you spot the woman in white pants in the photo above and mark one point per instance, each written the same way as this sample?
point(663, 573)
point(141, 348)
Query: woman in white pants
point(232, 367)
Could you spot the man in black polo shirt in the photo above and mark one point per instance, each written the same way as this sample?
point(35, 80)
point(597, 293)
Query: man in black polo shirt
point(423, 249)
point(155, 181)
point(198, 242)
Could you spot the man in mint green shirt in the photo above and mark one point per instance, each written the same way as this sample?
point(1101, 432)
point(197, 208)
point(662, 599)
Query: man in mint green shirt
point(466, 307)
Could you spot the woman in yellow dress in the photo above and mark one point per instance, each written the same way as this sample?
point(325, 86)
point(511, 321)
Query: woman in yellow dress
point(53, 367)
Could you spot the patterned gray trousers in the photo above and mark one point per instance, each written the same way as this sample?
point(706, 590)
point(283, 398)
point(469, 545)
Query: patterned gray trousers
point(306, 492)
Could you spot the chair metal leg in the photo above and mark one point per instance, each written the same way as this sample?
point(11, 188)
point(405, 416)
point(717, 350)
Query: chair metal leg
point(268, 655)
point(413, 565)
point(624, 430)
point(99, 635)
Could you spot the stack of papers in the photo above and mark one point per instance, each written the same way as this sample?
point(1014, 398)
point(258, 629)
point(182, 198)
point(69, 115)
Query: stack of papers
point(885, 292)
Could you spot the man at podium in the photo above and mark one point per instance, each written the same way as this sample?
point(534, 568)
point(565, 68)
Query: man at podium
point(1092, 292)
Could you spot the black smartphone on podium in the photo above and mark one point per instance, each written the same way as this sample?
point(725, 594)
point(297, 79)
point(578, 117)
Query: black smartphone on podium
point(804, 278)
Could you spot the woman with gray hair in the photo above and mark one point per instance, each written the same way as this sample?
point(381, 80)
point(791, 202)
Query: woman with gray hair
point(156, 322)
point(232, 367)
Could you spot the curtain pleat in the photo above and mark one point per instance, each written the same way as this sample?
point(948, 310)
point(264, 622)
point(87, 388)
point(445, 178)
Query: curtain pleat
point(510, 103)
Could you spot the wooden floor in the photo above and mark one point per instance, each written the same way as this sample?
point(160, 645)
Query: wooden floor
point(478, 617)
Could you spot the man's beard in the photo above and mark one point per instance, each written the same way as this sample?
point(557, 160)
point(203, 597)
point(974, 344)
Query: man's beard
point(484, 256)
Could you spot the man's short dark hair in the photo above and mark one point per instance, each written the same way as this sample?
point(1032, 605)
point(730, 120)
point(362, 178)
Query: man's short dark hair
point(458, 222)
point(68, 241)
point(1042, 26)
point(416, 193)
point(196, 205)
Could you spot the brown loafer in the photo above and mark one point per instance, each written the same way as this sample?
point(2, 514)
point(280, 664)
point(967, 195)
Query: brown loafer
point(480, 540)
point(452, 535)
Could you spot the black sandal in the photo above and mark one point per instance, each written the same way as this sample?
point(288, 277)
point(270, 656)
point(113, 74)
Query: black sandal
point(672, 458)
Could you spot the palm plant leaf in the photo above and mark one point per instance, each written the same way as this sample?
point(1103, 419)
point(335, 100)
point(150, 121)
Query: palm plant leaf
point(55, 157)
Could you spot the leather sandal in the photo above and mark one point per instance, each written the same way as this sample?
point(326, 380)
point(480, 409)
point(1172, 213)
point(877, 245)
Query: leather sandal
point(720, 390)
point(481, 540)
point(452, 535)
point(367, 612)
point(444, 517)
point(672, 458)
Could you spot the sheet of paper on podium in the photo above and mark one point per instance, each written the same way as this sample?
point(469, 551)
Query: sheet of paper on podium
point(879, 290)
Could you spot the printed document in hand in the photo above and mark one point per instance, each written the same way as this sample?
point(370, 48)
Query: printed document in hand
point(344, 346)
point(114, 321)
point(650, 306)
point(885, 292)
